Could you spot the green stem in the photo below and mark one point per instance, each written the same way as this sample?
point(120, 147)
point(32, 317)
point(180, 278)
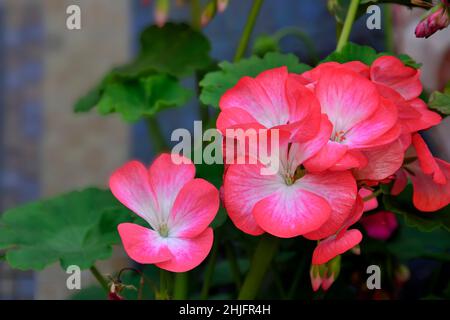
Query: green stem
point(388, 28)
point(209, 272)
point(262, 257)
point(373, 195)
point(164, 285)
point(302, 36)
point(234, 265)
point(339, 27)
point(156, 135)
point(180, 286)
point(99, 277)
point(141, 287)
point(203, 109)
point(243, 43)
point(196, 14)
point(348, 23)
point(296, 279)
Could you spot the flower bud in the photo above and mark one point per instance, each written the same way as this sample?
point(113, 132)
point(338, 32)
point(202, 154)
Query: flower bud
point(114, 290)
point(324, 275)
point(380, 225)
point(209, 12)
point(222, 5)
point(402, 274)
point(436, 19)
point(161, 12)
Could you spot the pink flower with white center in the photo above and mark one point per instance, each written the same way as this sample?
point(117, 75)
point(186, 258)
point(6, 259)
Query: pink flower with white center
point(293, 201)
point(177, 207)
point(361, 118)
point(380, 225)
point(430, 177)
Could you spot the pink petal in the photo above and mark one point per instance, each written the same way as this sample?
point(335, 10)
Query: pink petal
point(426, 160)
point(143, 245)
point(351, 159)
point(369, 204)
point(429, 195)
point(244, 186)
point(302, 150)
point(425, 119)
point(346, 97)
point(328, 156)
point(358, 67)
point(354, 217)
point(167, 179)
point(187, 253)
point(400, 182)
point(371, 132)
point(232, 118)
point(291, 211)
point(380, 225)
point(332, 247)
point(130, 185)
point(339, 189)
point(263, 97)
point(382, 162)
point(301, 101)
point(391, 71)
point(194, 209)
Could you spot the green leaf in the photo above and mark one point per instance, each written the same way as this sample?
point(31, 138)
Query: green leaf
point(214, 84)
point(89, 101)
point(76, 228)
point(134, 99)
point(175, 49)
point(440, 101)
point(264, 44)
point(423, 221)
point(365, 54)
point(411, 243)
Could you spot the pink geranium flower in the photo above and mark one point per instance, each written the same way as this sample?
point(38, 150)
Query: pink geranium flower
point(360, 116)
point(430, 177)
point(293, 201)
point(177, 207)
point(380, 225)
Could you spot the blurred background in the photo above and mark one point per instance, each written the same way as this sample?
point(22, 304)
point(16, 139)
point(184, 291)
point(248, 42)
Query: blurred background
point(45, 149)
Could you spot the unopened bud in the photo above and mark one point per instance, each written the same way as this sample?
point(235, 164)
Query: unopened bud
point(402, 274)
point(161, 12)
point(222, 5)
point(209, 12)
point(356, 250)
point(324, 275)
point(436, 19)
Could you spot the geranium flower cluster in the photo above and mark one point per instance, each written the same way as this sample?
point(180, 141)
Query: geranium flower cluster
point(344, 130)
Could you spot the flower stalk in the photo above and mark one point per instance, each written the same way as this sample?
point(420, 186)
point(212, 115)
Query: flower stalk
point(348, 23)
point(243, 43)
point(264, 253)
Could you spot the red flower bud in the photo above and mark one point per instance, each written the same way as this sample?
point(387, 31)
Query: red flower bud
point(438, 18)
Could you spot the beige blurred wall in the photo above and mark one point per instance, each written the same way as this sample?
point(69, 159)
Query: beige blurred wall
point(80, 150)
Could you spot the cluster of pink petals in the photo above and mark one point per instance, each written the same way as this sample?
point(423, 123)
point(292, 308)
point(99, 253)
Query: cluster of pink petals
point(177, 207)
point(344, 129)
